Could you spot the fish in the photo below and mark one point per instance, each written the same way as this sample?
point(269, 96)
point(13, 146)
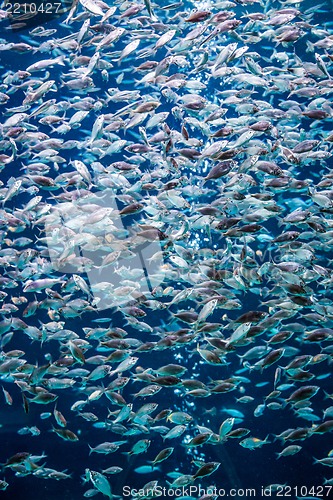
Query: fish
point(66, 434)
point(139, 447)
point(161, 456)
point(289, 450)
point(251, 443)
point(99, 481)
point(206, 469)
point(166, 224)
point(226, 427)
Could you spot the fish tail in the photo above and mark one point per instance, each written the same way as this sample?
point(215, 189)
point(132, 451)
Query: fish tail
point(309, 46)
point(280, 221)
point(60, 60)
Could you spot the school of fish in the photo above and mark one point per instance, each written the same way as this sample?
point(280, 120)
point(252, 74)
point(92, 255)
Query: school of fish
point(203, 132)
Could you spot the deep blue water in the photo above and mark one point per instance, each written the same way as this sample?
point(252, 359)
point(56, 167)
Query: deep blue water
point(240, 468)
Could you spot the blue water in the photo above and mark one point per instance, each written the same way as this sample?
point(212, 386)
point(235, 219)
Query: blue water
point(240, 468)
